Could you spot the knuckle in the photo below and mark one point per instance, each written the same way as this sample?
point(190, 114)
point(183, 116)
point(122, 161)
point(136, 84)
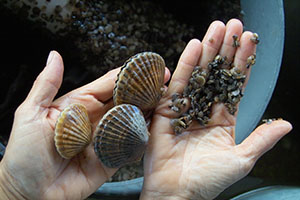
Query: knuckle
point(19, 110)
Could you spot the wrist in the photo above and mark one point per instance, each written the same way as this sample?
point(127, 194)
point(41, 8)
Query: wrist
point(7, 188)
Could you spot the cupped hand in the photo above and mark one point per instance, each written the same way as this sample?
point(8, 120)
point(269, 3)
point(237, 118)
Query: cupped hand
point(31, 167)
point(203, 161)
point(31, 162)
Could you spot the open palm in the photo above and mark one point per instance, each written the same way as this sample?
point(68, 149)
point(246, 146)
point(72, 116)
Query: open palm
point(203, 161)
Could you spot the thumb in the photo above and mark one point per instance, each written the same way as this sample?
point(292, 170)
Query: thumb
point(263, 138)
point(47, 83)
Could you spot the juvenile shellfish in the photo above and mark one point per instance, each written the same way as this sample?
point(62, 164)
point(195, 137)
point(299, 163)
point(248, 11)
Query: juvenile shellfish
point(204, 89)
point(141, 81)
point(72, 131)
point(121, 136)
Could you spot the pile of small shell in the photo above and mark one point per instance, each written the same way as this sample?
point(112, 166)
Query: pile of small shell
point(205, 88)
point(128, 172)
point(220, 82)
point(114, 30)
point(107, 32)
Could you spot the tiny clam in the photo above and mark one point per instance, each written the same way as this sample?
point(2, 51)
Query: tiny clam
point(72, 131)
point(121, 136)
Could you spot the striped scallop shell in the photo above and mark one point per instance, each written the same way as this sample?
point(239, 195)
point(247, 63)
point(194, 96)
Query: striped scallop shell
point(141, 81)
point(121, 136)
point(72, 131)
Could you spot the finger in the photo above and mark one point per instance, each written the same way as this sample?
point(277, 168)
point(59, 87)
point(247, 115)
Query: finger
point(102, 88)
point(212, 42)
point(47, 83)
point(97, 114)
point(263, 139)
point(167, 75)
point(246, 49)
point(188, 60)
point(233, 28)
point(92, 95)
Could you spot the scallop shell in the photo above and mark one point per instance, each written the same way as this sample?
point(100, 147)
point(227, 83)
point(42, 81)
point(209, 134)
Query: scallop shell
point(121, 136)
point(72, 131)
point(141, 81)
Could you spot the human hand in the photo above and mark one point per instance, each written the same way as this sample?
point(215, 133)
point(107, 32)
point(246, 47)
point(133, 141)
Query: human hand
point(203, 161)
point(31, 167)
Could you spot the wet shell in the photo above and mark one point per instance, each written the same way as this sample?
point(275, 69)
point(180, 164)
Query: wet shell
point(121, 136)
point(141, 81)
point(72, 131)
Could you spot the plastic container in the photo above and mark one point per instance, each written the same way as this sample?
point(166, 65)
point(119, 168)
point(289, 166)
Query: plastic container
point(277, 192)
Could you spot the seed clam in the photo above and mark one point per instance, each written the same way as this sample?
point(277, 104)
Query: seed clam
point(251, 60)
point(255, 38)
point(216, 84)
point(270, 120)
point(178, 103)
point(236, 42)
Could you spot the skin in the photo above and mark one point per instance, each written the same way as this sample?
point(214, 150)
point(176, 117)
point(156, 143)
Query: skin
point(198, 164)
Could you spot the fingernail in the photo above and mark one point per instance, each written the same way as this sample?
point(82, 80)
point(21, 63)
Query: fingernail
point(50, 57)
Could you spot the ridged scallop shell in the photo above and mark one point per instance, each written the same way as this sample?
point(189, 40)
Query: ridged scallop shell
point(121, 136)
point(141, 81)
point(72, 131)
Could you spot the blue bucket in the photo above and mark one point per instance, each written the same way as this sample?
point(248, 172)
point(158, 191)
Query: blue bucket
point(277, 192)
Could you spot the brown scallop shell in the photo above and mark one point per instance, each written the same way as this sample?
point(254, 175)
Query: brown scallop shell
point(72, 131)
point(141, 81)
point(121, 136)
